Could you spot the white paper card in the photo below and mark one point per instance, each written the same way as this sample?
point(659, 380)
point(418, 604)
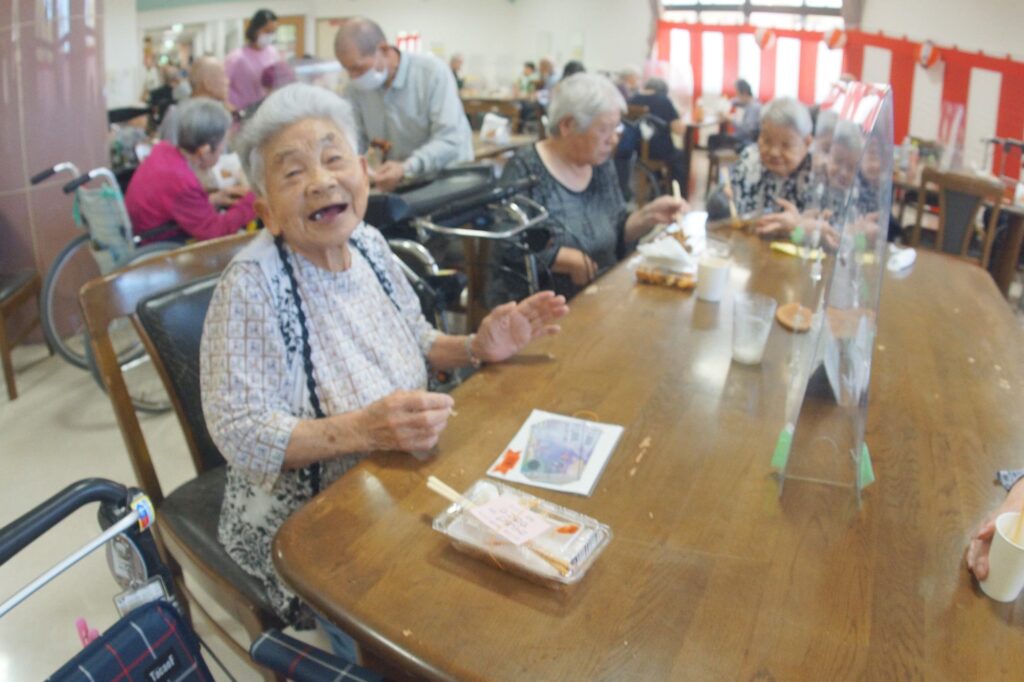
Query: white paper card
point(510, 519)
point(556, 452)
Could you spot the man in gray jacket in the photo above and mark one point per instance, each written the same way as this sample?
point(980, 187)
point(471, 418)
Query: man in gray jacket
point(406, 104)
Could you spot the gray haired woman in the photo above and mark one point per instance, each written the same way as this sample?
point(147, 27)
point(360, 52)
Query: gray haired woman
point(165, 190)
point(315, 352)
point(773, 177)
point(576, 181)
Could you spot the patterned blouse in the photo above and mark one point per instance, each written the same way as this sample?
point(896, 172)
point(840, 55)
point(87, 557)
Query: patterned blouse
point(592, 221)
point(754, 188)
point(365, 345)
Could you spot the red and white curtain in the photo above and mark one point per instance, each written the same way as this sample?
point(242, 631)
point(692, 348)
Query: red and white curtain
point(704, 59)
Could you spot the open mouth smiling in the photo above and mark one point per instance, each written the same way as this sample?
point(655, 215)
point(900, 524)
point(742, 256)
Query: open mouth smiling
point(328, 212)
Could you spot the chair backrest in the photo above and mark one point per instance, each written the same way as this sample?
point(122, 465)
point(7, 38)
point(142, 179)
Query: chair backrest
point(961, 198)
point(173, 321)
point(476, 108)
point(116, 296)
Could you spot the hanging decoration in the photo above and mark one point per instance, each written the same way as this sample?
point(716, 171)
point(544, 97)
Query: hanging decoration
point(835, 38)
point(928, 55)
point(765, 37)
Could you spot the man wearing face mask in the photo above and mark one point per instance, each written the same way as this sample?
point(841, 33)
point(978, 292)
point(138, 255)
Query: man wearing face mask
point(245, 66)
point(409, 100)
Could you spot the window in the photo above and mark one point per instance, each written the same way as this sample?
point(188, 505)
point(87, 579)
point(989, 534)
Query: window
point(814, 15)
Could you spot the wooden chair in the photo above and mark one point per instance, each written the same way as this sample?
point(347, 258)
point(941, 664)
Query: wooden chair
point(186, 518)
point(476, 108)
point(723, 151)
point(961, 198)
point(649, 170)
point(16, 289)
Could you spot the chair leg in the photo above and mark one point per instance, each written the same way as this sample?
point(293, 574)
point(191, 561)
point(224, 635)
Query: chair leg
point(5, 355)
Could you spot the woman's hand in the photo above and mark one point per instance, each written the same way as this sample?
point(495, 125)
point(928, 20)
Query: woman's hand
point(661, 211)
point(511, 327)
point(410, 421)
point(779, 223)
point(578, 265)
point(981, 541)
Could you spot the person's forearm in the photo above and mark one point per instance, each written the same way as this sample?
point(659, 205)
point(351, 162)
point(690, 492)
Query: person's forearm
point(315, 440)
point(450, 352)
point(638, 224)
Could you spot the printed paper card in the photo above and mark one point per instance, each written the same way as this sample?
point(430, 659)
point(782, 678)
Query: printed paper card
point(558, 453)
point(510, 519)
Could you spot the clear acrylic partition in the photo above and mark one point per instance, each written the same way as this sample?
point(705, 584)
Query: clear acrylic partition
point(843, 234)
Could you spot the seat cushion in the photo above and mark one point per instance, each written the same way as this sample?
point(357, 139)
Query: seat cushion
point(11, 282)
point(191, 514)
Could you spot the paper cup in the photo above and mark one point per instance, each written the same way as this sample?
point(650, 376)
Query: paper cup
point(1005, 562)
point(712, 278)
point(752, 318)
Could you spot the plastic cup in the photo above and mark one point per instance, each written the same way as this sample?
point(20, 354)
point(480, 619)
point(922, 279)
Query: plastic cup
point(752, 317)
point(1005, 562)
point(712, 278)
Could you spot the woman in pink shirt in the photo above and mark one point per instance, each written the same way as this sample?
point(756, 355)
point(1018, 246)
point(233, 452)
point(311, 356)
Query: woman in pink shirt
point(165, 188)
point(245, 65)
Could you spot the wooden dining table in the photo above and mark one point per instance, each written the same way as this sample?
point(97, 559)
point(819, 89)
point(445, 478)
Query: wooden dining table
point(487, 149)
point(710, 574)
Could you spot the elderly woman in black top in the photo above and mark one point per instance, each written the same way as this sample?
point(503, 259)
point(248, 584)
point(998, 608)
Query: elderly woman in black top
point(576, 181)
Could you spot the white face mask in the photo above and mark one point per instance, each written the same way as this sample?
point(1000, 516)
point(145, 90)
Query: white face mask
point(370, 80)
point(264, 40)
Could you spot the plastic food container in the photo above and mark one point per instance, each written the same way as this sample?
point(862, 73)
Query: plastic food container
point(558, 558)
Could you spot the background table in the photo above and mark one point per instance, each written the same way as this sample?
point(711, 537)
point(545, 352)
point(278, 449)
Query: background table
point(485, 149)
point(710, 575)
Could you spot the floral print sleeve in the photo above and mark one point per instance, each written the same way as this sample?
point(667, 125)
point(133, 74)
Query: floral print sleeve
point(244, 375)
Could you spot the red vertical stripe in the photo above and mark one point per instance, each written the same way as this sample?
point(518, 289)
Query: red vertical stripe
point(664, 42)
point(853, 58)
point(696, 60)
point(731, 68)
point(808, 70)
point(955, 82)
point(901, 76)
point(767, 89)
point(1010, 121)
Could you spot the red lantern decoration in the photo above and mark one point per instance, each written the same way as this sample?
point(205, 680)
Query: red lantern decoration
point(928, 55)
point(835, 38)
point(765, 37)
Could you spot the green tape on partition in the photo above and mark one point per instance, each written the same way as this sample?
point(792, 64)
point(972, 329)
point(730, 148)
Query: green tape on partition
point(797, 235)
point(782, 448)
point(867, 472)
point(860, 242)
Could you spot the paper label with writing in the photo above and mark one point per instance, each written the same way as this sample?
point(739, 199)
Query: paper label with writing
point(510, 519)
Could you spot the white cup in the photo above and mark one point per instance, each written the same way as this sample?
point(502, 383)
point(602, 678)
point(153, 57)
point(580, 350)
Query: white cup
point(712, 278)
point(1005, 562)
point(752, 318)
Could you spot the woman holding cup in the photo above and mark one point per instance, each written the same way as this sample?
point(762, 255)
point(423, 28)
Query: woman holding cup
point(999, 570)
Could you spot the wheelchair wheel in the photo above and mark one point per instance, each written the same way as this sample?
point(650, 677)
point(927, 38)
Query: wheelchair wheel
point(61, 314)
point(141, 378)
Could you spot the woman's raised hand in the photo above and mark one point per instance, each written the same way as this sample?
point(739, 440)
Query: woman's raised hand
point(511, 327)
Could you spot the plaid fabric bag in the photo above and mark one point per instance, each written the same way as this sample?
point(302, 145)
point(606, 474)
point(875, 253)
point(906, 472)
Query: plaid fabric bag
point(150, 644)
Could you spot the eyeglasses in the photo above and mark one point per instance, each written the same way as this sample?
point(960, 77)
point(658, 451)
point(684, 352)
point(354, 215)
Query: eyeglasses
point(603, 131)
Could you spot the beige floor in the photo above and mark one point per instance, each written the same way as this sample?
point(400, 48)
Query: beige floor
point(61, 429)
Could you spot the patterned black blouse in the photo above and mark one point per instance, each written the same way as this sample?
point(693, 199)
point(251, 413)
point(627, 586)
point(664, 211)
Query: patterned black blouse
point(755, 188)
point(592, 221)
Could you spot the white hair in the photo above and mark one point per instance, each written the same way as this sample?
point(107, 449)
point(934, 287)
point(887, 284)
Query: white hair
point(848, 134)
point(284, 107)
point(202, 121)
point(790, 113)
point(583, 96)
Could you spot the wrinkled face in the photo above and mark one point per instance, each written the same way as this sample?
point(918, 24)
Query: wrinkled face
point(206, 157)
point(357, 64)
point(782, 148)
point(596, 144)
point(316, 187)
point(842, 166)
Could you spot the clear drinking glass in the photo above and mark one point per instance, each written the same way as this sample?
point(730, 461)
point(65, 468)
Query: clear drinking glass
point(753, 315)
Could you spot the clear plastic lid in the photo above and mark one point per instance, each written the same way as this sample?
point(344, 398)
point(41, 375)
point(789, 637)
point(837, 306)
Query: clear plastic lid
point(557, 557)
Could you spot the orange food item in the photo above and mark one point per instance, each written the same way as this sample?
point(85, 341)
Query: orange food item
point(674, 281)
point(568, 530)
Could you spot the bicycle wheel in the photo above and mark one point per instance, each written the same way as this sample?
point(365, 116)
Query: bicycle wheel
point(145, 387)
point(63, 323)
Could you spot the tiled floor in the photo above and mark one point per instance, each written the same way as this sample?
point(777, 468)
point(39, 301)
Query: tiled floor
point(61, 429)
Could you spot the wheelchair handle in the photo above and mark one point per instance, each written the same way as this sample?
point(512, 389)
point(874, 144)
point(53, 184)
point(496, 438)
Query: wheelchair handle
point(513, 209)
point(76, 183)
point(59, 168)
point(497, 193)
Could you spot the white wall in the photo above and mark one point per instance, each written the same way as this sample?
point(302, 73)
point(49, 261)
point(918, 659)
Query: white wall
point(122, 54)
point(993, 26)
point(494, 36)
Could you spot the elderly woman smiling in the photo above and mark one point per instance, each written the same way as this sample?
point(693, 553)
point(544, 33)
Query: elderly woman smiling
point(314, 351)
point(776, 172)
point(576, 182)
